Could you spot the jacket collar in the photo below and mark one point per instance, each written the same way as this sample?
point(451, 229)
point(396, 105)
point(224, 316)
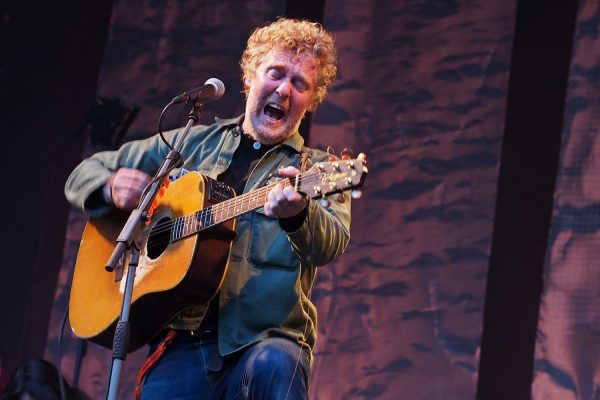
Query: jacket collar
point(295, 141)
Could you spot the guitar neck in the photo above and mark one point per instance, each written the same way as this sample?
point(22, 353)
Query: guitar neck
point(323, 179)
point(221, 212)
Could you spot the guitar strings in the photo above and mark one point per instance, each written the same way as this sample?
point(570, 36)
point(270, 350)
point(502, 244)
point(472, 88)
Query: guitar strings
point(203, 219)
point(236, 202)
point(227, 205)
point(207, 214)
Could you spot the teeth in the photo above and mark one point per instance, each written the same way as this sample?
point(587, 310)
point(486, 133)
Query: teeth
point(274, 111)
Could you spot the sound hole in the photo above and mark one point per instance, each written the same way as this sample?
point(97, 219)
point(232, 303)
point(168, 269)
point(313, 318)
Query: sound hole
point(158, 240)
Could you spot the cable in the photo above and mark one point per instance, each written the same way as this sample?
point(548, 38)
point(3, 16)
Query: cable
point(160, 132)
point(61, 381)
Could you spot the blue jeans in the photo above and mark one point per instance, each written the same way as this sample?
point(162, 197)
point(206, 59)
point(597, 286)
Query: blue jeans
point(191, 369)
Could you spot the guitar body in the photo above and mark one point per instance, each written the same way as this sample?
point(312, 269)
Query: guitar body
point(170, 277)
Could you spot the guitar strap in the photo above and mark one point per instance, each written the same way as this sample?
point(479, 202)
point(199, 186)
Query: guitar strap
point(151, 362)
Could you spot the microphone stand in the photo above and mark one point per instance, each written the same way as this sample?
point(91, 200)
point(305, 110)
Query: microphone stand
point(125, 241)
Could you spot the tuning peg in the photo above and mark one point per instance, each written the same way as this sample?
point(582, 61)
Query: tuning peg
point(346, 154)
point(324, 201)
point(356, 194)
point(341, 198)
point(330, 152)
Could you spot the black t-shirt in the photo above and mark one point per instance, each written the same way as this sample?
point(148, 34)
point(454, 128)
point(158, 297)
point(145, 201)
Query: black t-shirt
point(246, 156)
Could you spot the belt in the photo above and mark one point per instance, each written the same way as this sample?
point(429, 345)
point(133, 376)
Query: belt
point(205, 333)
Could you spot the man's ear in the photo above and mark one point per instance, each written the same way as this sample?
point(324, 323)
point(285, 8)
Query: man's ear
point(247, 81)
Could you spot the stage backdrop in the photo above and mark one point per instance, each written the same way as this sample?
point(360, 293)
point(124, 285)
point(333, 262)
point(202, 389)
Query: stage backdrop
point(567, 364)
point(422, 91)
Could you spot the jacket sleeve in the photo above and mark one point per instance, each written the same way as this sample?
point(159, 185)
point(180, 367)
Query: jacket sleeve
point(84, 185)
point(325, 232)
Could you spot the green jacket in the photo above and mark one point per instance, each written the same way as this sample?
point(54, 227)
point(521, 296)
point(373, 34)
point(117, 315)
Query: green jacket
point(270, 275)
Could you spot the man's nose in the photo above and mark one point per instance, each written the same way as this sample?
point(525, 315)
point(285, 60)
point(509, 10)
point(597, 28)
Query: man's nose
point(284, 89)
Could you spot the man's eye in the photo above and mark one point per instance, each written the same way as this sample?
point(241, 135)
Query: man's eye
point(274, 74)
point(301, 85)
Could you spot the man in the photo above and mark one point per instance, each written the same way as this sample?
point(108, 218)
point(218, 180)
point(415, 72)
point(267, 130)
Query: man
point(254, 340)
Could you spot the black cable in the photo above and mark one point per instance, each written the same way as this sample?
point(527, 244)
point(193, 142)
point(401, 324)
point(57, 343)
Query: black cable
point(162, 137)
point(160, 132)
point(61, 381)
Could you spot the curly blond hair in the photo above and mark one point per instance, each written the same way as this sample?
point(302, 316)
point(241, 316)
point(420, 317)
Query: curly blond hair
point(299, 37)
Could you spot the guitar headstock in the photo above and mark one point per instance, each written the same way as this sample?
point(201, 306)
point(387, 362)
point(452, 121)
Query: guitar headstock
point(326, 178)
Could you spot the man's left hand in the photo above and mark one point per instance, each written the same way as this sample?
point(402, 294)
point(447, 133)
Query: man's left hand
point(285, 202)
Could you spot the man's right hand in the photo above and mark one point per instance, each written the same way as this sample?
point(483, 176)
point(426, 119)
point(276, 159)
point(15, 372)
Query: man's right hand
point(126, 186)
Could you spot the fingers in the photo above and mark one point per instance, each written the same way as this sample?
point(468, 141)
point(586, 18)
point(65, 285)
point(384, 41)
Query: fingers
point(284, 202)
point(288, 171)
point(126, 187)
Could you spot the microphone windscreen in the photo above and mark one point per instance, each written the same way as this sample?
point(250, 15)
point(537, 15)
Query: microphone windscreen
point(219, 86)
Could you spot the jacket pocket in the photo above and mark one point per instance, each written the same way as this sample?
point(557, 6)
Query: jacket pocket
point(269, 246)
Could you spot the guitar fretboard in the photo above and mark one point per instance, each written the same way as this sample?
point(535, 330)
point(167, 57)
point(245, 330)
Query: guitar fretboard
point(208, 217)
point(325, 179)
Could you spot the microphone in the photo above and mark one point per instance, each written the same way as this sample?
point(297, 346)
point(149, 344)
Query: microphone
point(212, 89)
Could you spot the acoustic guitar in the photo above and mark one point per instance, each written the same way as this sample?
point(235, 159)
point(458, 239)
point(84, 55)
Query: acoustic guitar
point(184, 251)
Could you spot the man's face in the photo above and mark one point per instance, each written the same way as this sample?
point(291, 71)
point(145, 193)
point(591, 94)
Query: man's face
point(280, 92)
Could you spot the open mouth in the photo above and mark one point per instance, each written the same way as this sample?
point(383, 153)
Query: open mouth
point(274, 111)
